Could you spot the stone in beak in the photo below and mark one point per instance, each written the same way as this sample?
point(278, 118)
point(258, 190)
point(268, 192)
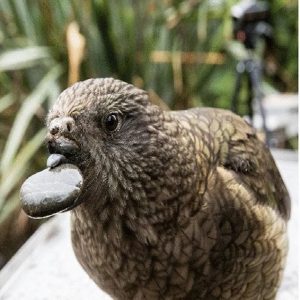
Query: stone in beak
point(57, 188)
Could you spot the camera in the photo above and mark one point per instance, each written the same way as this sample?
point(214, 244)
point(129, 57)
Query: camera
point(251, 22)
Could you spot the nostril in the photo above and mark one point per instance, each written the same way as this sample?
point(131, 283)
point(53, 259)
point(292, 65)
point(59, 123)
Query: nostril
point(54, 130)
point(69, 126)
point(61, 125)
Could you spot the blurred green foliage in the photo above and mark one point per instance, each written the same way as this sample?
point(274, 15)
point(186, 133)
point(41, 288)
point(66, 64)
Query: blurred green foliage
point(123, 39)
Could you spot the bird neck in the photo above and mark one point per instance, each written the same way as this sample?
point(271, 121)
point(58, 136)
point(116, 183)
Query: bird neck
point(147, 201)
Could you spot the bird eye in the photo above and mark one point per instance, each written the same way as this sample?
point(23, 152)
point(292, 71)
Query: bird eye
point(111, 122)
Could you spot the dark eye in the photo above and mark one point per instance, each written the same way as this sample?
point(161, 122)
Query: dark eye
point(111, 122)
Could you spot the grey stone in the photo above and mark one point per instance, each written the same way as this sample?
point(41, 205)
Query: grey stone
point(51, 191)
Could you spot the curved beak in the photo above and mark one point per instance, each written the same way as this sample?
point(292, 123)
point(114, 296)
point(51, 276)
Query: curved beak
point(60, 139)
point(63, 146)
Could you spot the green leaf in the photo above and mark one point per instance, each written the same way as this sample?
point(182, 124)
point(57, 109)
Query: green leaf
point(24, 17)
point(237, 50)
point(22, 58)
point(25, 114)
point(10, 205)
point(202, 21)
point(5, 102)
point(18, 167)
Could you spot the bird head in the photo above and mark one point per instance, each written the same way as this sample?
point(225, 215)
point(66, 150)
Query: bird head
point(111, 132)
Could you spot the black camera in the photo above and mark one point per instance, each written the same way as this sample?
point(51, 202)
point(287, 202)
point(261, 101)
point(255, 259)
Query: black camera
point(251, 22)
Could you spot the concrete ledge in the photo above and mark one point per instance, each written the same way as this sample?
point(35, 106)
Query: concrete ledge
point(46, 268)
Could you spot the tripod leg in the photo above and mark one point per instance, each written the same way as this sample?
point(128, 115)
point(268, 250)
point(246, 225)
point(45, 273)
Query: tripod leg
point(254, 71)
point(250, 99)
point(240, 69)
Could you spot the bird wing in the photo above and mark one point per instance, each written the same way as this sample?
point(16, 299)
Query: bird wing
point(245, 154)
point(242, 172)
point(234, 145)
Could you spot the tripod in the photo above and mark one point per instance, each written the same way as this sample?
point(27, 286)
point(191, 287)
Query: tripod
point(252, 68)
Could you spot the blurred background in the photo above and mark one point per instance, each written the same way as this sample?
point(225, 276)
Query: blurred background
point(184, 53)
